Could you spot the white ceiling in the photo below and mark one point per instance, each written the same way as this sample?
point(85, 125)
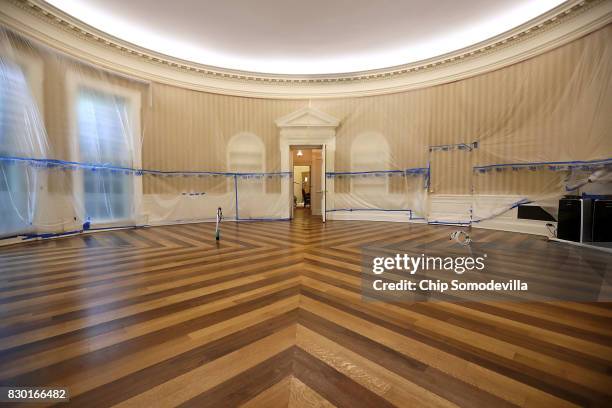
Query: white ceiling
point(304, 36)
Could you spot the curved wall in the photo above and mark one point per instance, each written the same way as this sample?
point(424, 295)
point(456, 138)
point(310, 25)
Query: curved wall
point(565, 23)
point(552, 107)
point(543, 109)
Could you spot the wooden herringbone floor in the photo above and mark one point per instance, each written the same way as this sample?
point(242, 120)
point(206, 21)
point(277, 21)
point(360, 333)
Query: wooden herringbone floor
point(273, 316)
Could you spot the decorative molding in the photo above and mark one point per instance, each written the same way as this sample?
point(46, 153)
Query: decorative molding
point(42, 22)
point(307, 117)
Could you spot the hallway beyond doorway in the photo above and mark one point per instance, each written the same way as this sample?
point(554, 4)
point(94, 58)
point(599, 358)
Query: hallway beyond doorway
point(307, 170)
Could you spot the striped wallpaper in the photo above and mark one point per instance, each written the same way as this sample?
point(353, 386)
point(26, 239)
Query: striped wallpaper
point(555, 106)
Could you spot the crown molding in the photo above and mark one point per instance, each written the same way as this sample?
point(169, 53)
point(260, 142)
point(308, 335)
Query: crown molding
point(37, 20)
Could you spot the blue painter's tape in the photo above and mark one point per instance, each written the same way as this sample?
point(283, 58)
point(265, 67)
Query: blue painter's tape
point(52, 163)
point(413, 170)
point(373, 172)
point(551, 165)
point(449, 147)
point(366, 209)
point(50, 234)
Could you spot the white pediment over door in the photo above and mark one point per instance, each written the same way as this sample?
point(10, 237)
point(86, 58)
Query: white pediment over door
point(307, 117)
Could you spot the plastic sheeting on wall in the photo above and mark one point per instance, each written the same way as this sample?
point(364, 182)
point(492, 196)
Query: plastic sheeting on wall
point(398, 191)
point(543, 125)
point(22, 134)
point(81, 146)
point(71, 145)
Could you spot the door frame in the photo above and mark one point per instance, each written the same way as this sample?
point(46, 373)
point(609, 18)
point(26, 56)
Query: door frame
point(328, 146)
point(323, 176)
point(308, 127)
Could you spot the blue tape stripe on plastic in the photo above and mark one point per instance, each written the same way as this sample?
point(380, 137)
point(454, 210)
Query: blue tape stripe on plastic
point(417, 170)
point(278, 173)
point(468, 146)
point(179, 173)
point(576, 162)
point(54, 162)
point(342, 173)
point(413, 170)
point(74, 232)
point(366, 209)
point(118, 227)
point(108, 166)
point(50, 234)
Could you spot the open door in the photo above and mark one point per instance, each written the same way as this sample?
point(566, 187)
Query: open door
point(323, 184)
point(291, 181)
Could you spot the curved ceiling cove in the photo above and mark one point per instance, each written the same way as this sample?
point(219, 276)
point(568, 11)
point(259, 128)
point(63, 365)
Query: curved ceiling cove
point(304, 37)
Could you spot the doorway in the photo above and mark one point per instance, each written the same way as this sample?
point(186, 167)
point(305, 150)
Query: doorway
point(301, 186)
point(307, 172)
point(312, 129)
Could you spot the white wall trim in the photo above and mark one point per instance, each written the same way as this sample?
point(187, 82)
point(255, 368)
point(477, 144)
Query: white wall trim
point(42, 22)
point(307, 127)
point(74, 81)
point(455, 208)
point(372, 216)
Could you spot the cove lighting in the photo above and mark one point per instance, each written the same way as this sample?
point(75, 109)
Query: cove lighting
point(155, 40)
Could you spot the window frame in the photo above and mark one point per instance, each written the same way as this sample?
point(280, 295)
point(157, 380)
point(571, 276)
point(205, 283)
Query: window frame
point(74, 82)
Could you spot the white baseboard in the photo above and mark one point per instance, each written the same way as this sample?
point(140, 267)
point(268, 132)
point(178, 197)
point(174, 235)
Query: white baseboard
point(456, 209)
point(443, 208)
point(516, 225)
point(390, 216)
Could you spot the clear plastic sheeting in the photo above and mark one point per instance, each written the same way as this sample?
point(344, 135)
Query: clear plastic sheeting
point(555, 179)
point(72, 143)
point(396, 191)
point(188, 197)
point(84, 148)
point(263, 196)
point(22, 134)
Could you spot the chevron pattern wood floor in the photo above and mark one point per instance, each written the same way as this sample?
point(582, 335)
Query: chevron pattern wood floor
point(272, 316)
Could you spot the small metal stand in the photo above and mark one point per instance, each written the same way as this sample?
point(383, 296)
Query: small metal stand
point(218, 226)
